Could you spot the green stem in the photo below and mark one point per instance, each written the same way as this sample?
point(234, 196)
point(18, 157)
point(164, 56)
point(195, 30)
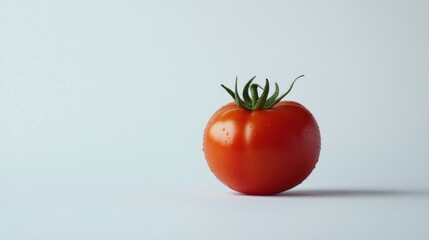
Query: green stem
point(254, 101)
point(261, 101)
point(254, 94)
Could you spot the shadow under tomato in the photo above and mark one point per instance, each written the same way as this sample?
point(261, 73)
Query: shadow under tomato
point(342, 193)
point(353, 193)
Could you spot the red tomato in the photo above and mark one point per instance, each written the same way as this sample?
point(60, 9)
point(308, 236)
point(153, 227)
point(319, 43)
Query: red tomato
point(262, 152)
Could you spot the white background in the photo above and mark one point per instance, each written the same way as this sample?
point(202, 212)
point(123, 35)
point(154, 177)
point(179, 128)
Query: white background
point(103, 105)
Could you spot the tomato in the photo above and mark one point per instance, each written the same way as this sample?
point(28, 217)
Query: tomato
point(262, 151)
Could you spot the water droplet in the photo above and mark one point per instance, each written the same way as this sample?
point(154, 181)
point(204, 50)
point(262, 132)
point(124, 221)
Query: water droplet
point(227, 134)
point(223, 129)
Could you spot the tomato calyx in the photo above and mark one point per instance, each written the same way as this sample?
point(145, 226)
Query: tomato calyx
point(253, 101)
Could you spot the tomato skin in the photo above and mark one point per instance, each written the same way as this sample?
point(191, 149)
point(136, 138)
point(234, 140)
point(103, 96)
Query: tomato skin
point(262, 152)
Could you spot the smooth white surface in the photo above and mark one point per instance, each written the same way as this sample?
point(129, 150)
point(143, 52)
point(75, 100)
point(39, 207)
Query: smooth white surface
point(210, 214)
point(103, 106)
